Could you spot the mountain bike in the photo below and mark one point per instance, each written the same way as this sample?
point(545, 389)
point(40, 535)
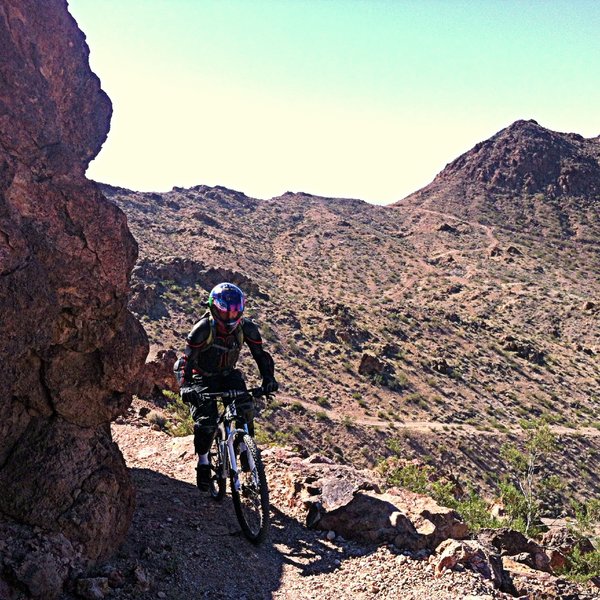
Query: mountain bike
point(234, 455)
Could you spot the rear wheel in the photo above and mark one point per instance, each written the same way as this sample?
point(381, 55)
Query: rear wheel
point(218, 483)
point(251, 501)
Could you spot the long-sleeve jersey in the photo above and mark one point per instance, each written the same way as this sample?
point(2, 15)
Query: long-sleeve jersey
point(209, 353)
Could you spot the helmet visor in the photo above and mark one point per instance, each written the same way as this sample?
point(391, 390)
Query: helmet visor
point(228, 313)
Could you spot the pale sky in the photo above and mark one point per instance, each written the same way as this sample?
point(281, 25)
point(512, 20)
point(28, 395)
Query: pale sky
point(361, 99)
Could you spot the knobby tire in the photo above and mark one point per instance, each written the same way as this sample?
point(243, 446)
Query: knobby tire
point(218, 483)
point(251, 503)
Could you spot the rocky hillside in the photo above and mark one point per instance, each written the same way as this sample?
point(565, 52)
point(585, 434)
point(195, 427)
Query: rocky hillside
point(70, 348)
point(525, 178)
point(410, 329)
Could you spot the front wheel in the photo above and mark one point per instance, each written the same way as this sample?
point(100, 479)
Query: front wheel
point(251, 500)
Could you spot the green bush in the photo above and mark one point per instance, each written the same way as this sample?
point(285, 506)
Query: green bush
point(581, 566)
point(321, 415)
point(322, 401)
point(527, 486)
point(348, 421)
point(421, 479)
point(474, 511)
point(181, 422)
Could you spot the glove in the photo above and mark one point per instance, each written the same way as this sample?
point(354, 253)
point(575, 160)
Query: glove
point(189, 395)
point(270, 385)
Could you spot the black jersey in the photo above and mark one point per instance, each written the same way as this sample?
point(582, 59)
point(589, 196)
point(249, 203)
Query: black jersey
point(211, 353)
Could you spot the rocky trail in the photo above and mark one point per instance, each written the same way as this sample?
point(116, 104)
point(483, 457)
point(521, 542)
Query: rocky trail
point(183, 544)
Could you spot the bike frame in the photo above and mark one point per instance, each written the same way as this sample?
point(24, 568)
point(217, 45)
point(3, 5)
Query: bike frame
point(228, 417)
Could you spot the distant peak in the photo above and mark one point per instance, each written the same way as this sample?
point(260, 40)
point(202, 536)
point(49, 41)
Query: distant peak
point(523, 123)
point(526, 158)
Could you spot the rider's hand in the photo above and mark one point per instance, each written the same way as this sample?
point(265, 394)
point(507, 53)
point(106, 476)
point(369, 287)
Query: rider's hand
point(189, 395)
point(270, 385)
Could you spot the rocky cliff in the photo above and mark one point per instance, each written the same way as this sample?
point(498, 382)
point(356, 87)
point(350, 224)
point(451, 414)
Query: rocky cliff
point(69, 345)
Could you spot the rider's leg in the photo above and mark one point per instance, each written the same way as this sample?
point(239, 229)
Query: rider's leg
point(205, 417)
point(244, 408)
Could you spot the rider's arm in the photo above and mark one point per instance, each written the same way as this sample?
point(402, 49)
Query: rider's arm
point(196, 341)
point(263, 359)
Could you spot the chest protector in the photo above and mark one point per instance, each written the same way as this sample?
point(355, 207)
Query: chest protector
point(213, 342)
point(219, 353)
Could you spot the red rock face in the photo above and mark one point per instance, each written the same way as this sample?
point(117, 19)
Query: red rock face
point(70, 348)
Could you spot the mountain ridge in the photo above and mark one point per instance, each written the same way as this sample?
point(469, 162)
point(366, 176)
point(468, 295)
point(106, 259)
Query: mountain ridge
point(524, 177)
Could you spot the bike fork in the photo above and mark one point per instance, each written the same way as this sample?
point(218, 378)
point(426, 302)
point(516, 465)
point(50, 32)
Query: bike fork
point(231, 453)
point(232, 462)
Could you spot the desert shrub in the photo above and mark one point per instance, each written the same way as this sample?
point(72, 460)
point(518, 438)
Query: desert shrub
point(411, 476)
point(262, 436)
point(582, 566)
point(321, 415)
point(422, 479)
point(322, 401)
point(297, 407)
point(527, 486)
point(587, 516)
point(157, 418)
point(475, 511)
point(348, 421)
point(395, 446)
point(180, 420)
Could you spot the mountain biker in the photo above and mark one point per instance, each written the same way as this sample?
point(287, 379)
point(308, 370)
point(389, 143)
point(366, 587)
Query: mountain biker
point(212, 351)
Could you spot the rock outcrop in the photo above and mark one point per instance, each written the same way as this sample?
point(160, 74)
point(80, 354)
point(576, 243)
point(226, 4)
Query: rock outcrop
point(158, 375)
point(70, 348)
point(328, 496)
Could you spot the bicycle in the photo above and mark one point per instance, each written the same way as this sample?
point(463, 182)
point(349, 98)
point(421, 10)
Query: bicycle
point(233, 447)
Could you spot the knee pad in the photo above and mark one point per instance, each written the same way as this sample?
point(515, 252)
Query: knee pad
point(203, 437)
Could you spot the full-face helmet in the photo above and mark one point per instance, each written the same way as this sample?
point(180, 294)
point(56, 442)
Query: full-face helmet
point(226, 302)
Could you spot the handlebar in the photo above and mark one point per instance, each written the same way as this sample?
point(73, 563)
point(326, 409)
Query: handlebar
point(255, 392)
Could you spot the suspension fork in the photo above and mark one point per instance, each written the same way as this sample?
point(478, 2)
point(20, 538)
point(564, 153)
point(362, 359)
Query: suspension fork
point(229, 439)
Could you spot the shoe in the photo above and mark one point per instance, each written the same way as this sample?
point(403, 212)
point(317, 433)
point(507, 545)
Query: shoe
point(203, 477)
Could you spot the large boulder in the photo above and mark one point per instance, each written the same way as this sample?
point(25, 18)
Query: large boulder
point(508, 542)
point(475, 556)
point(70, 348)
point(158, 375)
point(370, 365)
point(328, 496)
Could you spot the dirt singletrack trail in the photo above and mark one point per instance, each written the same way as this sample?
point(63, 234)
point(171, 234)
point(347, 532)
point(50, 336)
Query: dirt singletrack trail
point(425, 427)
point(489, 230)
point(182, 544)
